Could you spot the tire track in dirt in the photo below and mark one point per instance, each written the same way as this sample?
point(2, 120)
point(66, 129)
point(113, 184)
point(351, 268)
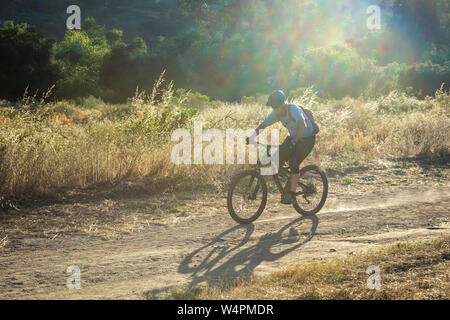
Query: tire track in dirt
point(206, 249)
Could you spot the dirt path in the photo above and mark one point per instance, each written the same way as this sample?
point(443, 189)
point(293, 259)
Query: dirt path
point(208, 246)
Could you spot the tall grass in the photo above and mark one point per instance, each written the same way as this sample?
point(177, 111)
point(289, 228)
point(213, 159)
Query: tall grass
point(47, 145)
point(395, 126)
point(51, 145)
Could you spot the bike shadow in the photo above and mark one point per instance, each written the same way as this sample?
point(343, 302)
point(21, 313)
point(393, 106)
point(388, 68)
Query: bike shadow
point(218, 261)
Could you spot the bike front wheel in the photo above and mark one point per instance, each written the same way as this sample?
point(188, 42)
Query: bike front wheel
point(247, 196)
point(312, 191)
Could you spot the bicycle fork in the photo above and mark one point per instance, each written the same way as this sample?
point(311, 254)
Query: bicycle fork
point(253, 194)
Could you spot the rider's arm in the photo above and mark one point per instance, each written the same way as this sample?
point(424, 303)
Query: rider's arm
point(271, 119)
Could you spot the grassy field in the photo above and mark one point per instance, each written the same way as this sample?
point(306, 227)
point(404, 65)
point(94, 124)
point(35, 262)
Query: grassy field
point(419, 270)
point(48, 146)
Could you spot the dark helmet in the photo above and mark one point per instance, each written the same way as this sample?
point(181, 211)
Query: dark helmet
point(276, 98)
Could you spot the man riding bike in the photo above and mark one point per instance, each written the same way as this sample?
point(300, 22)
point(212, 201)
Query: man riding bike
point(300, 142)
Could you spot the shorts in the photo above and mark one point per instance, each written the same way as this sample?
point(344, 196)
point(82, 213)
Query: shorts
point(296, 154)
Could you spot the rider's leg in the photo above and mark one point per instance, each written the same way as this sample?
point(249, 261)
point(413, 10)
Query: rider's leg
point(294, 180)
point(302, 150)
point(286, 151)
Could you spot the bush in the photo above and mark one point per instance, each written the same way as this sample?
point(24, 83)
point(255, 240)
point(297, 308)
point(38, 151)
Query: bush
point(191, 99)
point(248, 100)
point(400, 102)
point(256, 99)
point(157, 120)
point(425, 78)
point(385, 79)
point(336, 71)
point(123, 69)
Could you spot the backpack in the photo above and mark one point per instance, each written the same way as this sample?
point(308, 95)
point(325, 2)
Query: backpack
point(310, 116)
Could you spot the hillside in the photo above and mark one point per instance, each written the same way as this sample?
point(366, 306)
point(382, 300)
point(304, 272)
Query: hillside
point(227, 50)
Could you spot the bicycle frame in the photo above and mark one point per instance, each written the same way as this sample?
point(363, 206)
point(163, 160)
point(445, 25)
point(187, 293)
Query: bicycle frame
point(281, 188)
point(276, 178)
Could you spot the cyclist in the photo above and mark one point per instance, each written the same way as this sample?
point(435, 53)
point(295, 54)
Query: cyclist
point(300, 142)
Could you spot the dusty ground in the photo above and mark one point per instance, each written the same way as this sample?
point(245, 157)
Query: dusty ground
point(138, 247)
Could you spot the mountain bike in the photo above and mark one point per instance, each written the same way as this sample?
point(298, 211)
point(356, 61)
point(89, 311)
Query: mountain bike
point(247, 194)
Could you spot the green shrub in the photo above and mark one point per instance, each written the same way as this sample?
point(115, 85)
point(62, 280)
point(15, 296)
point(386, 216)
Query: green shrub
point(191, 99)
point(80, 56)
point(248, 100)
point(156, 124)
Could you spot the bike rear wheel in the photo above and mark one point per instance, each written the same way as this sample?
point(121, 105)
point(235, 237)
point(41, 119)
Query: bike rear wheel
point(312, 191)
point(247, 196)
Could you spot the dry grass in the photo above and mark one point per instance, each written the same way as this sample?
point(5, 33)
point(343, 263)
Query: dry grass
point(44, 146)
point(418, 270)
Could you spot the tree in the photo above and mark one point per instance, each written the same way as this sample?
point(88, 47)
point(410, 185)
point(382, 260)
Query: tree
point(26, 61)
point(80, 56)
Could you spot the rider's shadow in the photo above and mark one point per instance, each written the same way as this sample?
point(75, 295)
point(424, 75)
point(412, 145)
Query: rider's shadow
point(224, 262)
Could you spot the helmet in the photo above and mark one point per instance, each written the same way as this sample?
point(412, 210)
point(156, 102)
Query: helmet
point(276, 98)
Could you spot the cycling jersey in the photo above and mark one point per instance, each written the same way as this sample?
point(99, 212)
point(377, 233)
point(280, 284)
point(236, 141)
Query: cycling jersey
point(294, 114)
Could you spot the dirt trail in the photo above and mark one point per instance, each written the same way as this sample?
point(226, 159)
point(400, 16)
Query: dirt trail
point(209, 246)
